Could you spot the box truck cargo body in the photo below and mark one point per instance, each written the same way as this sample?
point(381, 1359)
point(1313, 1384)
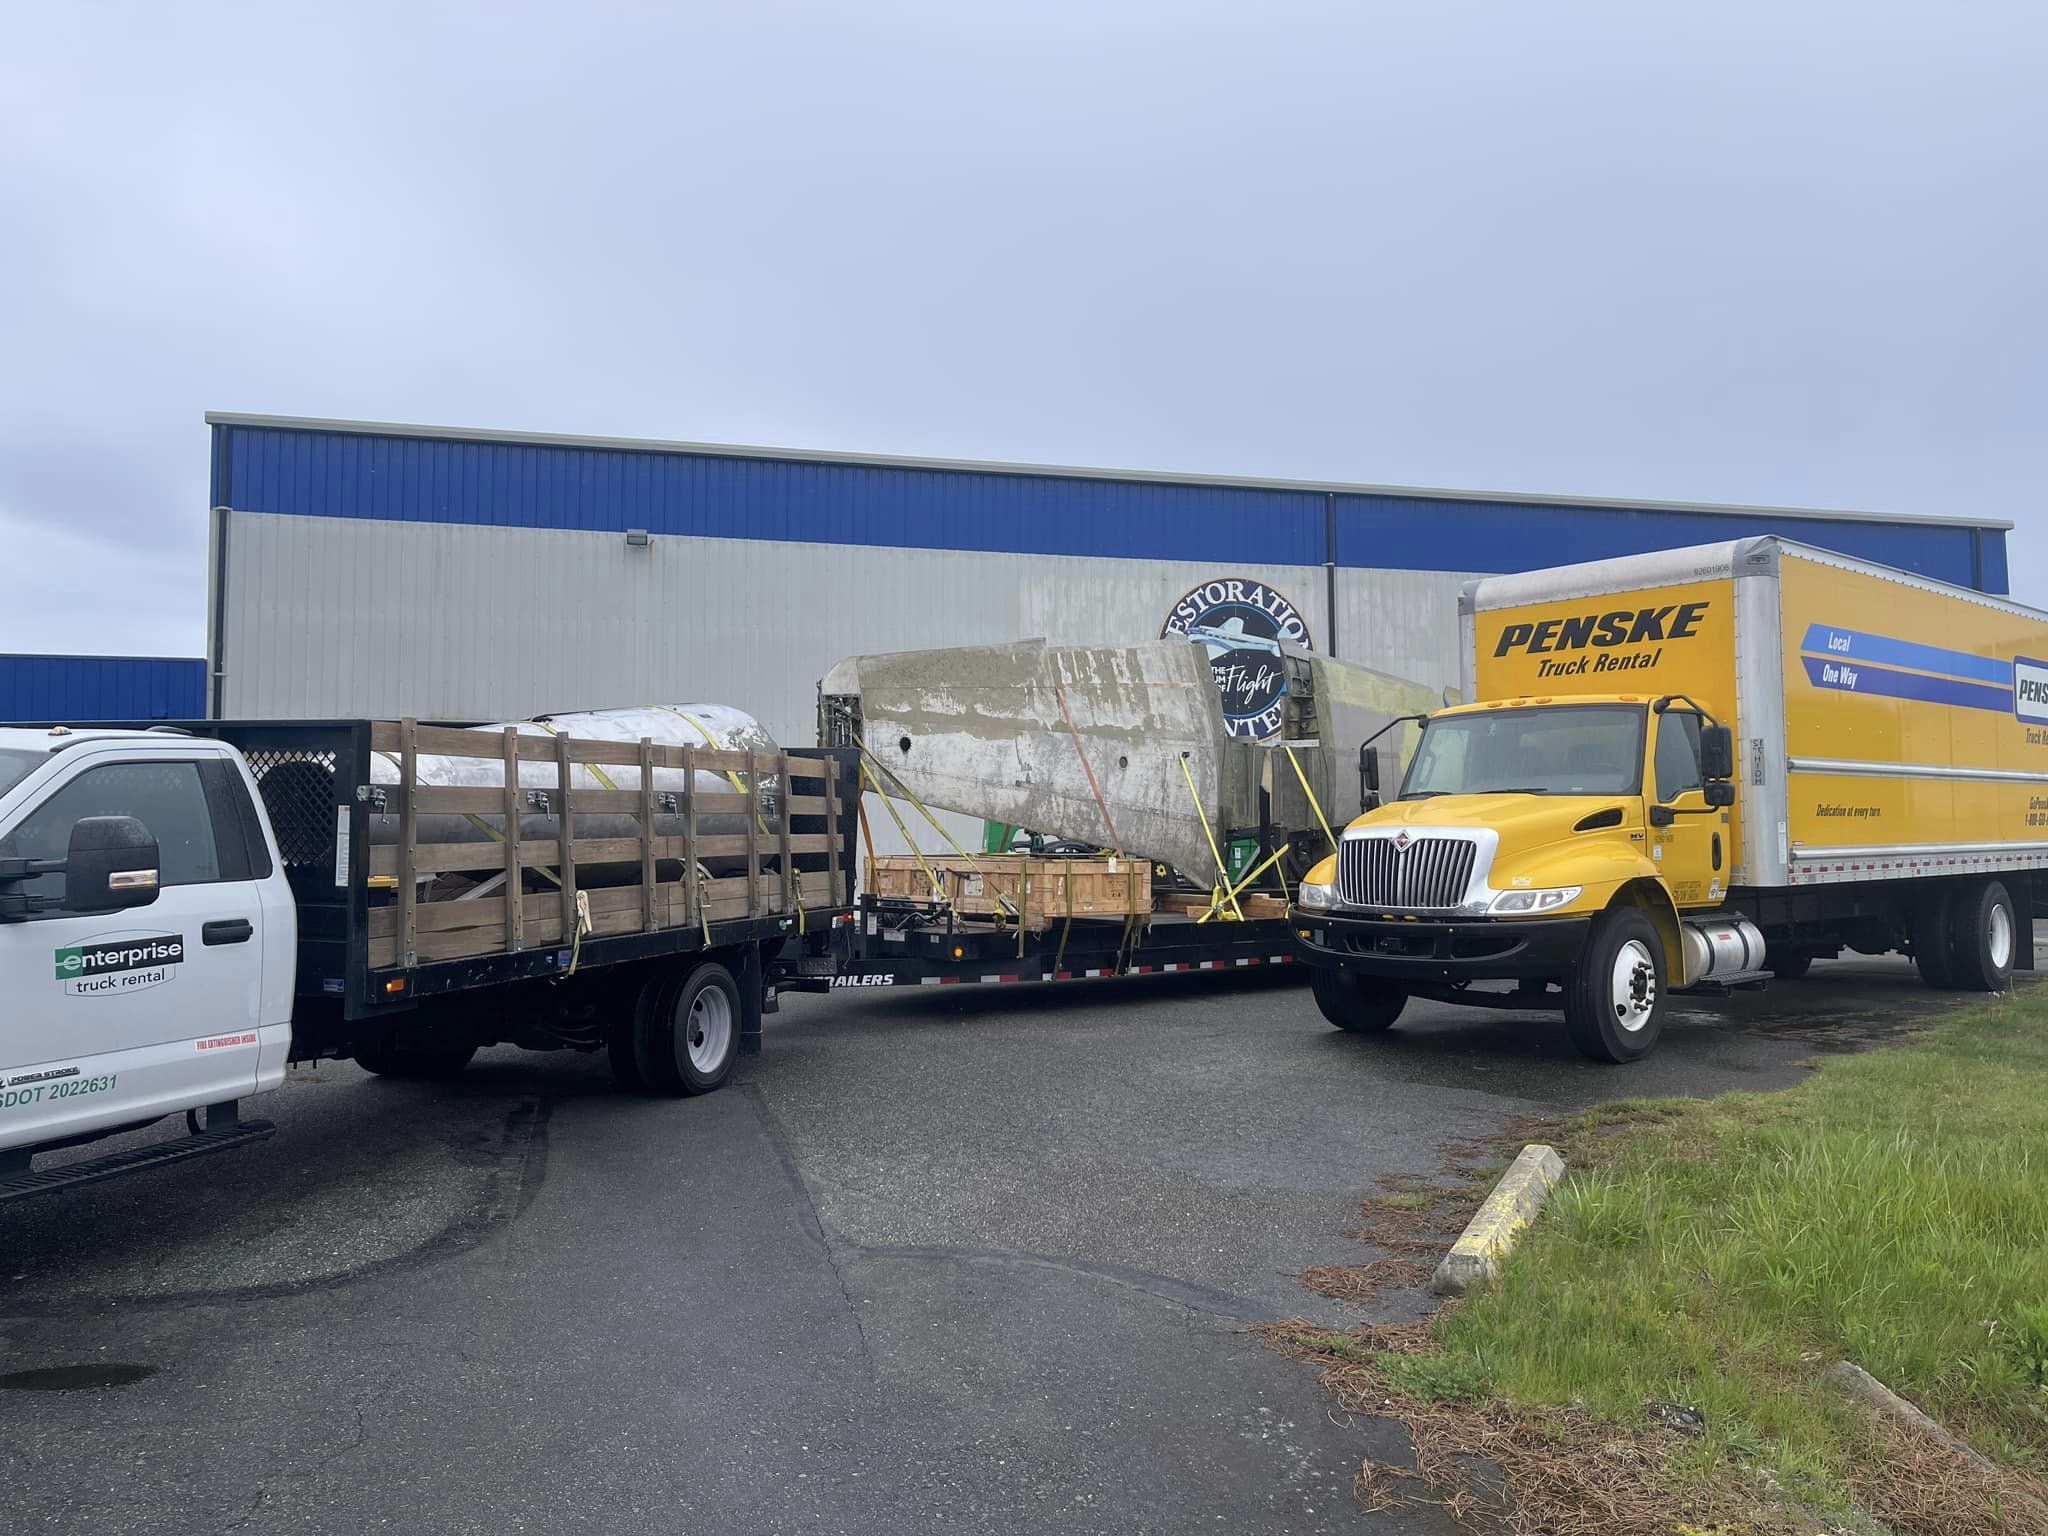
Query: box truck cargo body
point(1693, 769)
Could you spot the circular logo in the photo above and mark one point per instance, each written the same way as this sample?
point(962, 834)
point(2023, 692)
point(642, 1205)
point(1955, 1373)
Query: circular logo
point(1241, 622)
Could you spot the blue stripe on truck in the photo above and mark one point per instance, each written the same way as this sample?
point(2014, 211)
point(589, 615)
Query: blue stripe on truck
point(1846, 676)
point(1883, 650)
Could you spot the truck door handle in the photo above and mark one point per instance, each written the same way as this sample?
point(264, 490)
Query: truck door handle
point(227, 930)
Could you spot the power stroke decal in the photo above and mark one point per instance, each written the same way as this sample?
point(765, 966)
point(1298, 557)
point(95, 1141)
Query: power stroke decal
point(1240, 622)
point(120, 962)
point(1604, 635)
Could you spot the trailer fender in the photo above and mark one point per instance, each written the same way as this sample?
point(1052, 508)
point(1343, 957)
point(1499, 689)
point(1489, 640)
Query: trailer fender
point(1651, 897)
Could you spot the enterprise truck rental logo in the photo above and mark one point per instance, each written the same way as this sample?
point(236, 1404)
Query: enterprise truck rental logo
point(1241, 623)
point(119, 962)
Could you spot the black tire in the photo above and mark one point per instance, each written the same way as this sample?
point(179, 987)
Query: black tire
point(690, 1037)
point(1983, 932)
point(1932, 943)
point(654, 1051)
point(1358, 1004)
point(417, 1062)
point(1603, 1023)
point(1788, 965)
point(622, 1039)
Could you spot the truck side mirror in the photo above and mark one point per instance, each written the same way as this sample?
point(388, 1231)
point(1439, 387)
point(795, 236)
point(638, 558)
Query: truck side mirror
point(1368, 776)
point(1719, 792)
point(112, 862)
point(1717, 753)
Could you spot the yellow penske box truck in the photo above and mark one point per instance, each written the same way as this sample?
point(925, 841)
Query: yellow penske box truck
point(1689, 771)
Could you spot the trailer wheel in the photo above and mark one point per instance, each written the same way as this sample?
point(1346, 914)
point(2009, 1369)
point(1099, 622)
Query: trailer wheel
point(1614, 998)
point(1983, 934)
point(1932, 943)
point(419, 1062)
point(1356, 1003)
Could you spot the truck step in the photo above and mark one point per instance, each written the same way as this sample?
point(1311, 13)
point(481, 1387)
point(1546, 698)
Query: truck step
point(22, 1185)
point(1721, 986)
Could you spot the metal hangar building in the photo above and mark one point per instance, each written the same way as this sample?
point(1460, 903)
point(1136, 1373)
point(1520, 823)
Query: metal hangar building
point(362, 568)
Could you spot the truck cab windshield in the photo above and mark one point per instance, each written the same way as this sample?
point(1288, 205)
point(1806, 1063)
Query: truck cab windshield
point(1569, 749)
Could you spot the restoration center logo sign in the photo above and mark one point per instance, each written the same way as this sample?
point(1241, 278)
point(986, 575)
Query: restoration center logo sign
point(1241, 622)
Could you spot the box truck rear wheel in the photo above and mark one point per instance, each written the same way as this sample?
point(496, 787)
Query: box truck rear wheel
point(689, 1036)
point(1933, 944)
point(1788, 964)
point(1983, 934)
point(1614, 998)
point(1359, 1004)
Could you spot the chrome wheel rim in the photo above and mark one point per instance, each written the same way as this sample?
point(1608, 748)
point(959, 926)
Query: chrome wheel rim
point(1999, 936)
point(708, 1029)
point(1632, 987)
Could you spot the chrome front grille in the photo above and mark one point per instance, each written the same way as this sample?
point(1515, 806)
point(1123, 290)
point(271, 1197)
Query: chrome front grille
point(1429, 872)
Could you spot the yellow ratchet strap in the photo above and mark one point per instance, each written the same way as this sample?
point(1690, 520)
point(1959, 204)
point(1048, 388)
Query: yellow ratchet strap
point(753, 801)
point(1222, 869)
point(1321, 819)
point(905, 791)
point(1250, 875)
point(484, 827)
point(938, 890)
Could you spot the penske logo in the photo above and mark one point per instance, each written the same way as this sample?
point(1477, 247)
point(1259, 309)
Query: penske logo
point(1604, 631)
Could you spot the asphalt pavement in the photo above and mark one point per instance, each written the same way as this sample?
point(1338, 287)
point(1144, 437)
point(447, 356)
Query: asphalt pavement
point(960, 1261)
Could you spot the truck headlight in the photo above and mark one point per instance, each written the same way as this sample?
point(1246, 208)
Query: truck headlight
point(1317, 897)
point(1536, 900)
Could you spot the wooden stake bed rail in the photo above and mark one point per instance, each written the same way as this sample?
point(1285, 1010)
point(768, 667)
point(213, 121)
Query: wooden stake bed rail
point(467, 871)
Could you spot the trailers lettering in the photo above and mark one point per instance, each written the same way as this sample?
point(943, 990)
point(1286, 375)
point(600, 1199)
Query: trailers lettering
point(1242, 623)
point(1605, 631)
point(119, 962)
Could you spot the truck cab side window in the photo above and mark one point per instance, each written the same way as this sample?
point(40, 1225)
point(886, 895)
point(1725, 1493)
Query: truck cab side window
point(165, 797)
point(1678, 756)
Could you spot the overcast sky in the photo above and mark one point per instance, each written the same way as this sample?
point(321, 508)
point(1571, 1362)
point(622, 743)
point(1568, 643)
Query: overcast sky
point(1766, 252)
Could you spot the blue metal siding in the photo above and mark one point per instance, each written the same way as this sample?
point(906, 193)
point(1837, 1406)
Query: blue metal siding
point(391, 477)
point(86, 688)
point(1421, 534)
point(519, 485)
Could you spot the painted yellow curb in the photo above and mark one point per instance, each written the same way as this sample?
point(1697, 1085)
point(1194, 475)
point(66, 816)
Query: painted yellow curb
point(1488, 1238)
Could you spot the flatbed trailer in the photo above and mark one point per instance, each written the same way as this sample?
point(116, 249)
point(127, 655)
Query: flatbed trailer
point(898, 942)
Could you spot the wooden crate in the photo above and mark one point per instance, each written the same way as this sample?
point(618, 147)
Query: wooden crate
point(1040, 891)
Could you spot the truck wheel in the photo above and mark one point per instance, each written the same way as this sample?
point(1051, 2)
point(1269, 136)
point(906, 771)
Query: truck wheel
point(1789, 965)
point(1983, 934)
point(419, 1062)
point(1614, 998)
point(622, 1035)
point(692, 1035)
point(1356, 1003)
point(1933, 944)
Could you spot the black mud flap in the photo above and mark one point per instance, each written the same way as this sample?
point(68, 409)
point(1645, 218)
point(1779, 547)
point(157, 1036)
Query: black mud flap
point(753, 980)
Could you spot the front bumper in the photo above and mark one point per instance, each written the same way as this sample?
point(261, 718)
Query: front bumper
point(1436, 949)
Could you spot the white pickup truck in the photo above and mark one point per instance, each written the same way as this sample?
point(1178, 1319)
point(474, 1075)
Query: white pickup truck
point(184, 911)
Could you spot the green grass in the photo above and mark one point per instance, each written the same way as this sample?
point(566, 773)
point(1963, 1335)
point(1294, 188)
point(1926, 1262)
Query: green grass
point(1893, 1209)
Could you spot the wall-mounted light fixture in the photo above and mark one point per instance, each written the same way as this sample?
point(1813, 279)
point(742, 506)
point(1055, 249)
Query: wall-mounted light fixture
point(636, 538)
